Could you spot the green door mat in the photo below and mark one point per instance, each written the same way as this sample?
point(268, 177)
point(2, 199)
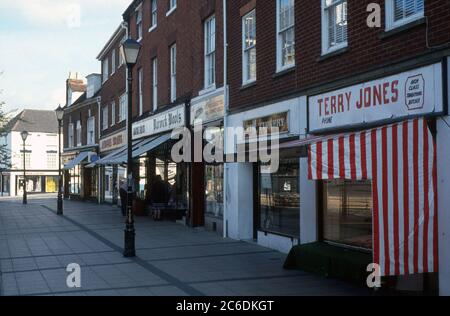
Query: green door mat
point(330, 261)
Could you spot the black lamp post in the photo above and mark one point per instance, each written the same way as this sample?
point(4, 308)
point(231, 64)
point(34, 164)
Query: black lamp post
point(24, 135)
point(59, 116)
point(130, 51)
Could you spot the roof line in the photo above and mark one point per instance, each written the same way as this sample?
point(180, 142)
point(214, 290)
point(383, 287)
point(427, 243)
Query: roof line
point(109, 43)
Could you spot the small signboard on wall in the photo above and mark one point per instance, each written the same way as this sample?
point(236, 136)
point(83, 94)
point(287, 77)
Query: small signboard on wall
point(279, 120)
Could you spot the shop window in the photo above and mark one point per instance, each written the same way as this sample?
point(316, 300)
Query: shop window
point(75, 183)
point(214, 190)
point(280, 199)
point(347, 213)
point(142, 189)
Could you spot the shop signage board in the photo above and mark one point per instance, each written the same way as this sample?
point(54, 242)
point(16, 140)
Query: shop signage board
point(208, 110)
point(113, 142)
point(279, 120)
point(159, 123)
point(413, 93)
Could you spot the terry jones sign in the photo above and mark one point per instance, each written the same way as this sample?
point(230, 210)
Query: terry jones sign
point(413, 93)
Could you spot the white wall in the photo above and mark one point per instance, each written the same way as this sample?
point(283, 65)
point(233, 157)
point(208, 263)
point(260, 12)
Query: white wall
point(239, 186)
point(38, 144)
point(239, 201)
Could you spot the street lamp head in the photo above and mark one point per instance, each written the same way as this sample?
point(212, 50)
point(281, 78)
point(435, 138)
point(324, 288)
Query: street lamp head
point(130, 51)
point(24, 135)
point(59, 113)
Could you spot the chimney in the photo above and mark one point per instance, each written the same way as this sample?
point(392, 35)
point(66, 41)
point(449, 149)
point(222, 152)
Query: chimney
point(75, 87)
point(94, 83)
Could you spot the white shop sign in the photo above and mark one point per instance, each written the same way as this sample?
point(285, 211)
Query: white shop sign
point(159, 123)
point(413, 93)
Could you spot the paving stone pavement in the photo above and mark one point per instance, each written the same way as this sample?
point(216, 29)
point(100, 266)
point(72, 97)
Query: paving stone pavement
point(36, 246)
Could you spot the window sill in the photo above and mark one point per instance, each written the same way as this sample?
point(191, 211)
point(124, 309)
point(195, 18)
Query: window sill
point(171, 11)
point(402, 28)
point(333, 53)
point(208, 90)
point(248, 85)
point(152, 28)
point(282, 72)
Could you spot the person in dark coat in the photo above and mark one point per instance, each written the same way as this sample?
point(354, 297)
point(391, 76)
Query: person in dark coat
point(123, 191)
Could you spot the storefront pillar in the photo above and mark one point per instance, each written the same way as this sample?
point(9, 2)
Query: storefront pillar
point(197, 198)
point(115, 184)
point(239, 201)
point(308, 206)
point(443, 152)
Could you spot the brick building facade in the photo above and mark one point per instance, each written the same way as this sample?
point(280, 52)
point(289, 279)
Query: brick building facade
point(308, 57)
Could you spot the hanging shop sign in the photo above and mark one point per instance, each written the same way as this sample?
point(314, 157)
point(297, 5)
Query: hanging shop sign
point(113, 142)
point(159, 123)
point(208, 110)
point(279, 120)
point(413, 93)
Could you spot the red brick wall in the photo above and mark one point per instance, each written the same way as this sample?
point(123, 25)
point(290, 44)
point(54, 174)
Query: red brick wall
point(185, 28)
point(72, 115)
point(367, 50)
point(113, 88)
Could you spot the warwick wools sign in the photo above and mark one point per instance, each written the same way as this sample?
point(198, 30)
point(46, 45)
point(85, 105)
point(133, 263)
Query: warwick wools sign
point(412, 93)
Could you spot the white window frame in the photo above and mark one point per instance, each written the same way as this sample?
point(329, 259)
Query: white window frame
point(172, 7)
point(113, 113)
point(90, 135)
point(155, 83)
point(247, 50)
point(141, 91)
point(280, 66)
point(105, 118)
point(390, 15)
point(326, 48)
point(70, 135)
point(52, 160)
point(210, 55)
point(123, 110)
point(79, 131)
point(173, 72)
point(139, 23)
point(113, 61)
point(153, 15)
point(105, 69)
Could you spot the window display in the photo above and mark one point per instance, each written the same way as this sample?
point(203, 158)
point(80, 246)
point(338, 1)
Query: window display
point(280, 199)
point(347, 217)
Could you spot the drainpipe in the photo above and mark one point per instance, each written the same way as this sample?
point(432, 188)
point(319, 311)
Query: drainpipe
point(226, 105)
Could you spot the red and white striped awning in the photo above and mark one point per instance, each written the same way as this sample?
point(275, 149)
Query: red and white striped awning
point(400, 159)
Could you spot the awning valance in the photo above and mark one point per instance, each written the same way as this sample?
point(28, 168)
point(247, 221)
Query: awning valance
point(78, 160)
point(140, 147)
point(400, 159)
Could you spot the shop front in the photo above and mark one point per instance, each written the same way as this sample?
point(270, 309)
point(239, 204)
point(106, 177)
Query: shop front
point(79, 180)
point(111, 175)
point(266, 205)
point(207, 113)
point(372, 155)
point(161, 184)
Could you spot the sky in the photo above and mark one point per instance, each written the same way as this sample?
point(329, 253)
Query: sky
point(41, 41)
